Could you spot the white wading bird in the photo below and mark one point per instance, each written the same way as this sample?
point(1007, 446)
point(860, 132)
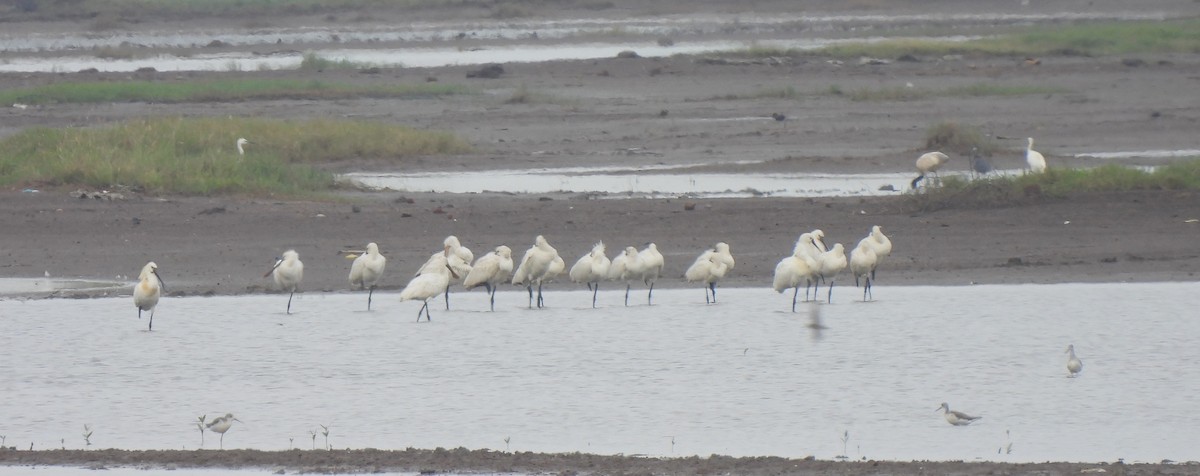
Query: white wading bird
point(287, 272)
point(147, 291)
point(366, 270)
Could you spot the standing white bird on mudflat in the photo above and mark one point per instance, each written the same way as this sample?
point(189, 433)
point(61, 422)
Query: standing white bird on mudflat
point(222, 425)
point(929, 163)
point(287, 272)
point(537, 265)
point(1035, 159)
point(1074, 365)
point(432, 280)
point(147, 291)
point(591, 269)
point(490, 270)
point(712, 265)
point(366, 270)
point(862, 265)
point(956, 418)
point(794, 270)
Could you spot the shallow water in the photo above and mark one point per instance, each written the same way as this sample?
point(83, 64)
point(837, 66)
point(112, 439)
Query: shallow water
point(615, 184)
point(743, 377)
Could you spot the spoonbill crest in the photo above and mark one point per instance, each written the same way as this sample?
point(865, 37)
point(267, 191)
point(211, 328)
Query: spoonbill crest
point(590, 269)
point(710, 267)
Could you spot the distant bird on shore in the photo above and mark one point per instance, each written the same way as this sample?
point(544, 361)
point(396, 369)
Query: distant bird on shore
point(956, 418)
point(432, 280)
point(710, 267)
point(147, 291)
point(1037, 163)
point(490, 270)
point(221, 425)
point(929, 163)
point(978, 163)
point(591, 269)
point(1074, 365)
point(241, 142)
point(778, 116)
point(287, 272)
point(367, 269)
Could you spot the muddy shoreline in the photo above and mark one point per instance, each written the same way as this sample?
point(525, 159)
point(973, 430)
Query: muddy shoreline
point(461, 460)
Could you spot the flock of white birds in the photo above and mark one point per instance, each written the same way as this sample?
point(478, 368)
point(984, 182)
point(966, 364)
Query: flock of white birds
point(930, 162)
point(809, 264)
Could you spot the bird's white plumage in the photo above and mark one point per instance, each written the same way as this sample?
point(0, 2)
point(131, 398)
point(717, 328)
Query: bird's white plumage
point(432, 280)
point(929, 163)
point(492, 268)
point(711, 265)
point(956, 418)
point(863, 261)
point(241, 142)
point(367, 268)
point(1074, 365)
point(793, 271)
point(1037, 162)
point(591, 267)
point(147, 291)
point(289, 271)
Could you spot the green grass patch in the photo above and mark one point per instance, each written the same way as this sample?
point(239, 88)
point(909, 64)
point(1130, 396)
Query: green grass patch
point(1095, 39)
point(999, 191)
point(198, 156)
point(315, 62)
point(221, 90)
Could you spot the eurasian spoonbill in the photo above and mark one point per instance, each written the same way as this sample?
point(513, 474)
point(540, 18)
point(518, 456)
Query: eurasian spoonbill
point(490, 270)
point(432, 280)
point(794, 270)
point(712, 265)
point(147, 291)
point(831, 263)
point(929, 163)
point(862, 264)
point(287, 272)
point(591, 269)
point(536, 266)
point(366, 270)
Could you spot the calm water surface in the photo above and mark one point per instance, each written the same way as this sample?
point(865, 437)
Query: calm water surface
point(743, 377)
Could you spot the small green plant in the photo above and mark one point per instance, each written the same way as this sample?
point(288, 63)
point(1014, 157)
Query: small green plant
point(314, 62)
point(87, 434)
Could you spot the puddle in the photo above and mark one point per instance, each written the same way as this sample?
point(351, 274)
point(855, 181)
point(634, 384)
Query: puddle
point(42, 286)
point(409, 57)
point(1141, 154)
point(631, 185)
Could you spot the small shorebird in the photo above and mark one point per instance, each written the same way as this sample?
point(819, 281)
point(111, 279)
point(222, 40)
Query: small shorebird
point(222, 425)
point(956, 418)
point(147, 291)
point(287, 272)
point(1074, 365)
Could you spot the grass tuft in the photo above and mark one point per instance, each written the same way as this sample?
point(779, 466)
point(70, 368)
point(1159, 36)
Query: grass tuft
point(958, 139)
point(315, 62)
point(1001, 191)
point(198, 157)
